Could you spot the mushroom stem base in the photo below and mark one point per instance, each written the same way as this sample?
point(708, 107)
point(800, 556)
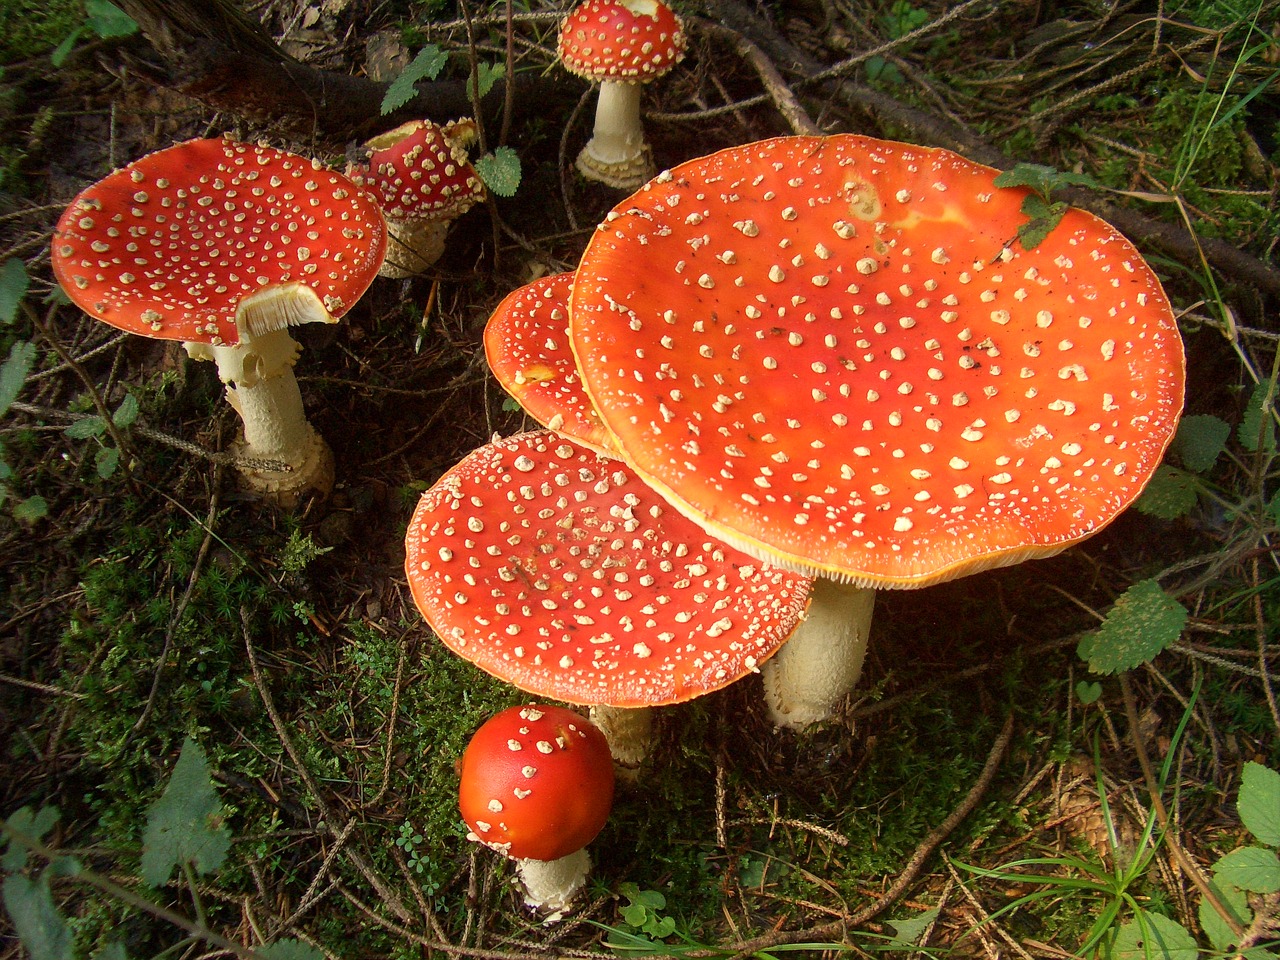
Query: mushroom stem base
point(551, 885)
point(629, 731)
point(412, 247)
point(821, 662)
point(616, 154)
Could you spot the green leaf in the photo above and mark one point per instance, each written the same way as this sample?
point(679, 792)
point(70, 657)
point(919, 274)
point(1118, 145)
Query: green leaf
point(32, 825)
point(1143, 622)
point(489, 74)
point(910, 930)
point(86, 427)
point(108, 21)
point(1153, 937)
point(13, 373)
point(31, 509)
point(184, 825)
point(13, 287)
point(1257, 431)
point(1169, 494)
point(63, 50)
point(500, 171)
point(107, 461)
point(290, 950)
point(1217, 929)
point(1044, 216)
point(1200, 440)
point(1255, 869)
point(1041, 178)
point(634, 915)
point(425, 66)
point(1088, 691)
point(112, 951)
point(127, 412)
point(40, 926)
point(1259, 803)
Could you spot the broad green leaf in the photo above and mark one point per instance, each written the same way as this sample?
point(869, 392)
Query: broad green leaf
point(31, 825)
point(40, 926)
point(1257, 431)
point(1143, 622)
point(1217, 929)
point(184, 825)
point(1153, 937)
point(500, 171)
point(489, 74)
point(1255, 869)
point(108, 21)
point(31, 509)
point(1200, 440)
point(13, 287)
point(289, 950)
point(425, 66)
point(910, 930)
point(86, 427)
point(1042, 179)
point(1259, 803)
point(13, 373)
point(1044, 217)
point(127, 412)
point(634, 915)
point(107, 461)
point(1168, 495)
point(1088, 691)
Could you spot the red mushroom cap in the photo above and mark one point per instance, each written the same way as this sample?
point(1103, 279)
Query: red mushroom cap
point(557, 570)
point(833, 352)
point(526, 342)
point(536, 782)
point(631, 41)
point(421, 171)
point(172, 245)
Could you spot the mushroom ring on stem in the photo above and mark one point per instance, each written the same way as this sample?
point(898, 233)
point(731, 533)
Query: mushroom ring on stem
point(835, 354)
point(557, 570)
point(224, 246)
point(536, 784)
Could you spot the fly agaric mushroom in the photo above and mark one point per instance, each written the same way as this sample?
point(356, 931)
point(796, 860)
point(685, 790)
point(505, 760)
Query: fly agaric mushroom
point(422, 178)
point(224, 246)
point(622, 45)
point(536, 784)
point(557, 570)
point(526, 342)
point(834, 353)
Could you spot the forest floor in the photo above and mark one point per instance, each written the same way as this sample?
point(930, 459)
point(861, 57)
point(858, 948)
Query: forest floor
point(983, 792)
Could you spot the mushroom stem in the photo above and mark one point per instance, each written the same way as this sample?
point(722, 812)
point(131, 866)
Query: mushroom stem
point(822, 660)
point(412, 247)
point(629, 731)
point(551, 885)
point(617, 154)
point(262, 388)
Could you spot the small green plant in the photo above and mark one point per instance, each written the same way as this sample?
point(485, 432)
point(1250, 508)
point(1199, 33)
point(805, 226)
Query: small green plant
point(14, 283)
point(410, 842)
point(901, 18)
point(184, 831)
point(1042, 211)
point(103, 19)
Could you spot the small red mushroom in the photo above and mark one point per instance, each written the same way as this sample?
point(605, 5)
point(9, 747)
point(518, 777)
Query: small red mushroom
point(225, 245)
point(526, 342)
point(622, 45)
point(423, 180)
point(537, 786)
point(835, 354)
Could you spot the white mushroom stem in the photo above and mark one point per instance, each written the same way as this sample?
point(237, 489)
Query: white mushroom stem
point(551, 885)
point(617, 153)
point(412, 247)
point(821, 661)
point(262, 389)
point(629, 731)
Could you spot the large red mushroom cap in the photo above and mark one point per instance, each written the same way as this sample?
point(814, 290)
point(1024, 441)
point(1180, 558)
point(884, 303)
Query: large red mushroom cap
point(536, 782)
point(629, 41)
point(559, 571)
point(834, 352)
point(211, 238)
point(526, 342)
point(421, 171)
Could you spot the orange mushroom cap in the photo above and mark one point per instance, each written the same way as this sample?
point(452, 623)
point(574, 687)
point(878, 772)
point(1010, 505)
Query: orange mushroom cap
point(171, 245)
point(536, 782)
point(832, 352)
point(558, 571)
point(631, 41)
point(421, 171)
point(526, 342)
